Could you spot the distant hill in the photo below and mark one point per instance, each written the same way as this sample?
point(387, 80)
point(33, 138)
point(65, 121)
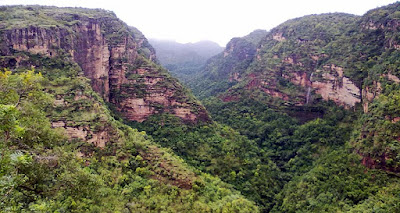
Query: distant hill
point(223, 70)
point(184, 60)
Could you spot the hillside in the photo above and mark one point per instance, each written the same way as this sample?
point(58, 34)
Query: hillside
point(319, 95)
point(301, 118)
point(61, 148)
point(116, 58)
point(222, 71)
point(303, 62)
point(184, 60)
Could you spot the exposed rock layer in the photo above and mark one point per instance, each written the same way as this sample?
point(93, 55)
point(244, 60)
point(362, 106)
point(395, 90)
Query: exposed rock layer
point(116, 58)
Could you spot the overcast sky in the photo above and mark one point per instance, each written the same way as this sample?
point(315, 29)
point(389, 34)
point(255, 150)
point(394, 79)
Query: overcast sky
point(215, 20)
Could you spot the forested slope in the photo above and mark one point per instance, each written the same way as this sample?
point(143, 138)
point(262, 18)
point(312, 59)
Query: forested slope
point(61, 148)
point(303, 118)
point(319, 97)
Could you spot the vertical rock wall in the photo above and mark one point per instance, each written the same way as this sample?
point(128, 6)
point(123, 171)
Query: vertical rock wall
point(111, 60)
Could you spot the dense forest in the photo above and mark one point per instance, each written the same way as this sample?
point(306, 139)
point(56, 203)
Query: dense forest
point(302, 118)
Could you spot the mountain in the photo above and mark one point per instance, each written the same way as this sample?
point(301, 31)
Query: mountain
point(117, 58)
point(69, 78)
point(302, 118)
point(310, 58)
point(184, 60)
point(331, 57)
point(222, 71)
point(319, 94)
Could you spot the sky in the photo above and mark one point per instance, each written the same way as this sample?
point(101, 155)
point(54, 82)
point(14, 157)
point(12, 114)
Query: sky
point(216, 20)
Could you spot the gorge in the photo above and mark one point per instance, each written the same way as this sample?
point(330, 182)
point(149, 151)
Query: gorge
point(301, 118)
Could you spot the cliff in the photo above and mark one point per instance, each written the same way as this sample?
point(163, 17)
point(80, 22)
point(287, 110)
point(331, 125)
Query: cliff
point(337, 57)
point(116, 58)
point(60, 140)
point(378, 128)
point(291, 63)
point(305, 62)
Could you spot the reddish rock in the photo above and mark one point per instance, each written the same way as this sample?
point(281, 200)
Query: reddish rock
point(111, 60)
point(379, 162)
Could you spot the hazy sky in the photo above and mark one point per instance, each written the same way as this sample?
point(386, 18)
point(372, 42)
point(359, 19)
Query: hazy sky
point(216, 20)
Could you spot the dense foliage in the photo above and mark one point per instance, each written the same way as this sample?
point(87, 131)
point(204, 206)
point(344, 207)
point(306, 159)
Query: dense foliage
point(275, 156)
point(338, 183)
point(42, 170)
point(377, 134)
point(326, 164)
point(224, 70)
point(318, 171)
point(219, 150)
point(59, 140)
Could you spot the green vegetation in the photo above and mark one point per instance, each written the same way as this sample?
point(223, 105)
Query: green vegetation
point(377, 134)
point(219, 150)
point(18, 17)
point(319, 163)
point(275, 160)
point(224, 70)
point(43, 171)
point(265, 149)
point(184, 61)
point(338, 183)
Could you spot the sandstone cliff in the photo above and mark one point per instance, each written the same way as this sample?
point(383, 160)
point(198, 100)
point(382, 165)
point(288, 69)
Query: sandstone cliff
point(116, 58)
point(293, 62)
point(352, 61)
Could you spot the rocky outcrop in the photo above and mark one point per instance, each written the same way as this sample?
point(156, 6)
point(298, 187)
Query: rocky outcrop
point(369, 93)
point(345, 93)
point(97, 138)
point(278, 37)
point(336, 87)
point(116, 58)
point(372, 91)
point(287, 57)
point(329, 83)
point(380, 162)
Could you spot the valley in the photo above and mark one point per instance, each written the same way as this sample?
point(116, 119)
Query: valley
point(300, 118)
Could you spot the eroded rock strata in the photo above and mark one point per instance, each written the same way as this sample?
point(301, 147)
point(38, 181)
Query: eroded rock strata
point(116, 58)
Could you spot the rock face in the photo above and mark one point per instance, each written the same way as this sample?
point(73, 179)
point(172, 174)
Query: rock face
point(293, 63)
point(331, 85)
point(289, 53)
point(99, 138)
point(345, 93)
point(116, 58)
